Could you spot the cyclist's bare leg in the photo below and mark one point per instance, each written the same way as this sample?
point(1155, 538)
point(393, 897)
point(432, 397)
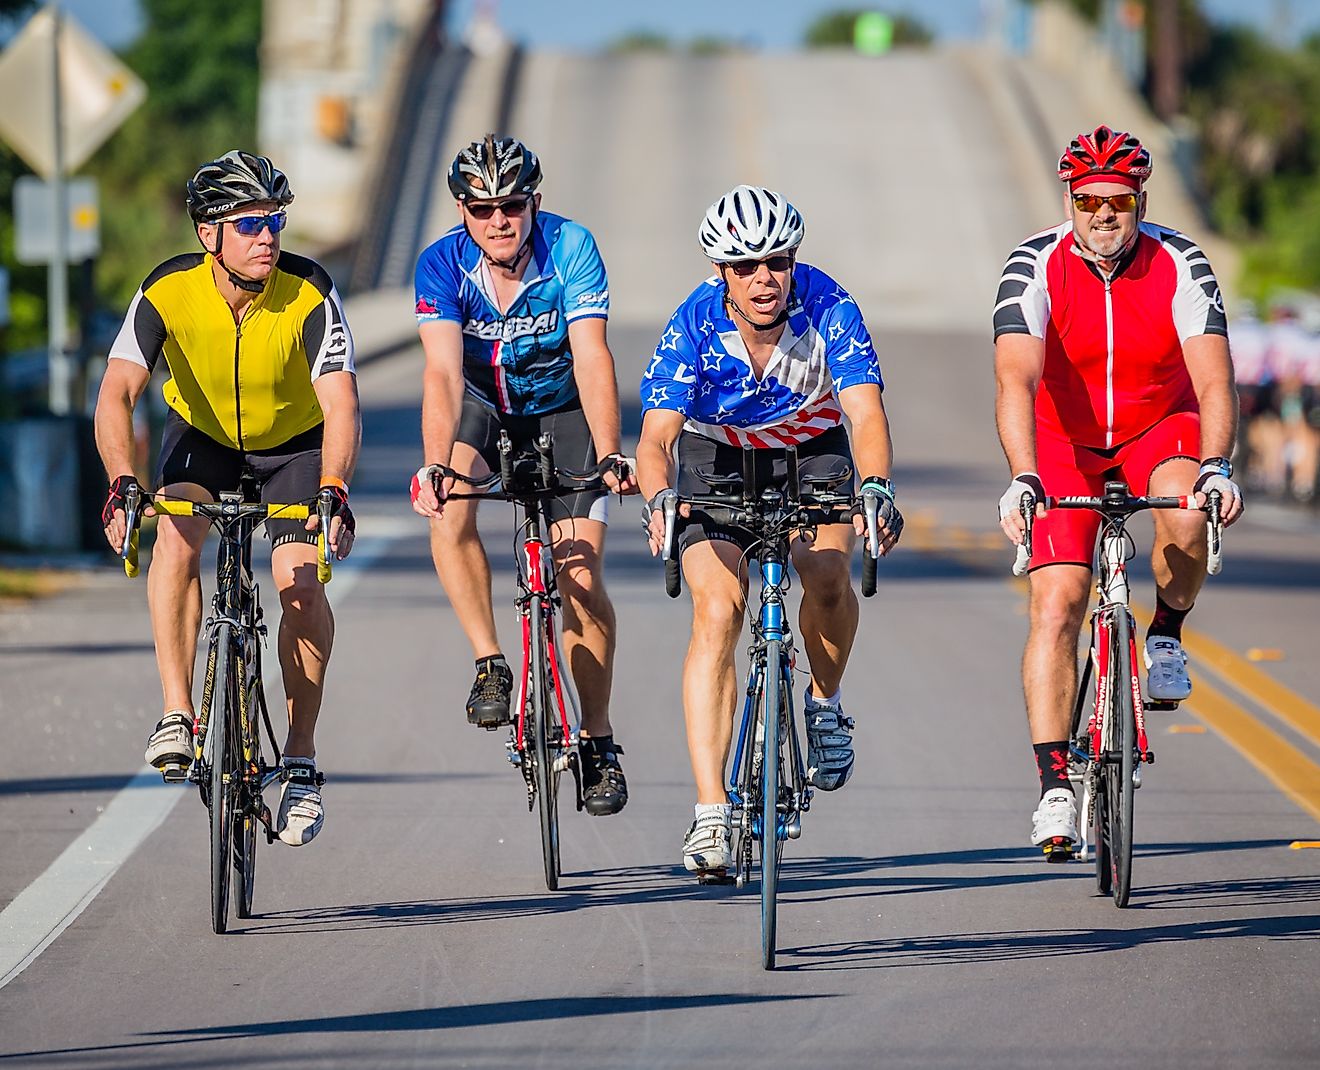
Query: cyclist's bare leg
point(174, 596)
point(307, 632)
point(589, 626)
point(1059, 595)
point(717, 579)
point(461, 562)
point(1178, 557)
point(827, 619)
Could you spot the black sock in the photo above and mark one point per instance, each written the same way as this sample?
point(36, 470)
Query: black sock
point(486, 664)
point(1167, 621)
point(599, 744)
point(1052, 764)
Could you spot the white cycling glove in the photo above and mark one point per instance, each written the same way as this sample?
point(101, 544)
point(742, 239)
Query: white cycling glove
point(1023, 483)
point(1215, 476)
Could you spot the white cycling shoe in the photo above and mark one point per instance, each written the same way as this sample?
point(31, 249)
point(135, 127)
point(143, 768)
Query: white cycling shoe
point(301, 813)
point(170, 748)
point(1166, 678)
point(706, 848)
point(1054, 824)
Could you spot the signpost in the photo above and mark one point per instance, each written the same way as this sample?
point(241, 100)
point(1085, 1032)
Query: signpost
point(72, 94)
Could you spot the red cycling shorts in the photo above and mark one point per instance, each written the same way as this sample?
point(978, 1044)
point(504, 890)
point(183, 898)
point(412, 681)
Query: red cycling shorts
point(1067, 536)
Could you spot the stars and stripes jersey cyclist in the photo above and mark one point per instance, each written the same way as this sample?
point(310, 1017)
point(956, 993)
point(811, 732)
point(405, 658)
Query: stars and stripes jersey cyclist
point(702, 368)
point(767, 354)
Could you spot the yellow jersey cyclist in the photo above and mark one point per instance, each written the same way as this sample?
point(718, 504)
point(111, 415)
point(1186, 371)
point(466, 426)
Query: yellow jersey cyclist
point(261, 382)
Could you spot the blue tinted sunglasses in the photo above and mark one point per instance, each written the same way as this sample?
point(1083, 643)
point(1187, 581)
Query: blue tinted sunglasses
point(251, 225)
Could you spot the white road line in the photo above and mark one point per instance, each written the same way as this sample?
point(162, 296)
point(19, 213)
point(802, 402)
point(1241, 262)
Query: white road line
point(51, 903)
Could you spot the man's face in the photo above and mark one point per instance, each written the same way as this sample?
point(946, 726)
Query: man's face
point(500, 226)
point(250, 256)
point(1099, 225)
point(760, 288)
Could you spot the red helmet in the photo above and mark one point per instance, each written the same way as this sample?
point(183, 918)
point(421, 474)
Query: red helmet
point(1104, 152)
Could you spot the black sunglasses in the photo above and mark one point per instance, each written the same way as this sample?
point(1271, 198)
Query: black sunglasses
point(743, 268)
point(514, 206)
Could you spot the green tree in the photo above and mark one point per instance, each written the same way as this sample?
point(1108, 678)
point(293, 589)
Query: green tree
point(835, 29)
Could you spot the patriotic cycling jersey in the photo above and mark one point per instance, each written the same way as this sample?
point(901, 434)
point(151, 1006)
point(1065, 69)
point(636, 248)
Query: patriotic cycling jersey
point(517, 361)
point(701, 367)
point(1114, 363)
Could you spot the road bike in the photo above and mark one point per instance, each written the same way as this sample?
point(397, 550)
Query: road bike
point(768, 789)
point(1107, 752)
point(543, 738)
point(229, 765)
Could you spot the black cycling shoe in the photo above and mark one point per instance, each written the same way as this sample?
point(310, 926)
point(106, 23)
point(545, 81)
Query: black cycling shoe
point(488, 704)
point(604, 787)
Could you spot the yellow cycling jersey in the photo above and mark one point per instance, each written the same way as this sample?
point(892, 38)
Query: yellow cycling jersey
point(246, 384)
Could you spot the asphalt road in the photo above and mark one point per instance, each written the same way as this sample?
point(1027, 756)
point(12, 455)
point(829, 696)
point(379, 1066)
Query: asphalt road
point(917, 927)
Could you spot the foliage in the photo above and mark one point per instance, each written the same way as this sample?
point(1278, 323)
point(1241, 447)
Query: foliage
point(642, 41)
point(835, 29)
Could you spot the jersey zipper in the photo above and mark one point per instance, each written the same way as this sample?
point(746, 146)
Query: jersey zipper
point(1109, 365)
point(238, 401)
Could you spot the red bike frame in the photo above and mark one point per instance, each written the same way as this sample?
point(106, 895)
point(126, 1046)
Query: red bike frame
point(534, 554)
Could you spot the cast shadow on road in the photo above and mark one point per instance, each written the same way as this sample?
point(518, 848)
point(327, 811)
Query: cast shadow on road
point(962, 949)
point(803, 880)
point(115, 781)
point(82, 650)
point(421, 1020)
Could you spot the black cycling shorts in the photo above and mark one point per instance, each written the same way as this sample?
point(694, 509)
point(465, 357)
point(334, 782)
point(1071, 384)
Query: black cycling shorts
point(289, 472)
point(570, 437)
point(827, 454)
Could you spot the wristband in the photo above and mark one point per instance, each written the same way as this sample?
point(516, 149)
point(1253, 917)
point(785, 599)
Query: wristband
point(1222, 465)
point(334, 481)
point(879, 483)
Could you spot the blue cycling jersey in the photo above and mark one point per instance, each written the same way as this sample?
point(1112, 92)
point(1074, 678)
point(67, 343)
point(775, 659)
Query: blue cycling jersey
point(701, 367)
point(517, 361)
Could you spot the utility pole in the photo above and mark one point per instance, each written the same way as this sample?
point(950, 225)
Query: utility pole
point(57, 278)
point(1166, 81)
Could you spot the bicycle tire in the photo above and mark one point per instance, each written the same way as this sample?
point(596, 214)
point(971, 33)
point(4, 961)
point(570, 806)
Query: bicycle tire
point(222, 767)
point(246, 827)
point(1120, 801)
point(771, 850)
point(547, 780)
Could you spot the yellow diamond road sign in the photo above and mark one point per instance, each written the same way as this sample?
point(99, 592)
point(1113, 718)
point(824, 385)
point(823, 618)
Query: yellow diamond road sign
point(97, 93)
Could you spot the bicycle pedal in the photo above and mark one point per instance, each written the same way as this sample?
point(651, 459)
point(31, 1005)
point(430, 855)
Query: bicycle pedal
point(1153, 706)
point(714, 877)
point(173, 772)
point(1057, 849)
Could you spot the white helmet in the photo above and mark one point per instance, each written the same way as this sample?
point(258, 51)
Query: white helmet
point(750, 223)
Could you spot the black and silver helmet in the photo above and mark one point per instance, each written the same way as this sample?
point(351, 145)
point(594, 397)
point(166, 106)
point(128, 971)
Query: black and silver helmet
point(494, 167)
point(237, 178)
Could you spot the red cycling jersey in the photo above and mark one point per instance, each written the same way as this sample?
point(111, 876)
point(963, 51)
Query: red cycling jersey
point(1114, 364)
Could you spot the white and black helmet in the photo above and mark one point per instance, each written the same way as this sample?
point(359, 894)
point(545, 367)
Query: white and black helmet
point(750, 223)
point(494, 167)
point(235, 179)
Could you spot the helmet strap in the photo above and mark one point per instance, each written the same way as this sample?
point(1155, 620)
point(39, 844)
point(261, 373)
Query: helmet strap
point(252, 286)
point(512, 263)
point(778, 321)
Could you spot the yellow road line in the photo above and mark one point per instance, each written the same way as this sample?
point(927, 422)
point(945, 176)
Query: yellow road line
point(1291, 771)
point(1288, 706)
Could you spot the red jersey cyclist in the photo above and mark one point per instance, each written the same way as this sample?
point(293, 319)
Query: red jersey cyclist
point(1111, 361)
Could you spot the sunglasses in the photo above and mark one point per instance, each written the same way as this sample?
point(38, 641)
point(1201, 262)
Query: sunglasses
point(251, 225)
point(1091, 202)
point(743, 268)
point(485, 209)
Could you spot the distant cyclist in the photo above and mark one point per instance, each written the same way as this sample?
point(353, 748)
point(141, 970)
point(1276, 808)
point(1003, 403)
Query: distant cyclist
point(766, 353)
point(261, 382)
point(1112, 361)
point(511, 307)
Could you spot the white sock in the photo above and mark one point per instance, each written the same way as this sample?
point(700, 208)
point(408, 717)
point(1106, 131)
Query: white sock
point(833, 700)
point(725, 810)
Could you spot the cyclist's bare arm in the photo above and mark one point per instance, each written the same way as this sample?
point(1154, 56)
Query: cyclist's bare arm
point(442, 401)
point(872, 446)
point(598, 388)
point(121, 386)
point(1211, 368)
point(655, 464)
point(1019, 361)
point(338, 395)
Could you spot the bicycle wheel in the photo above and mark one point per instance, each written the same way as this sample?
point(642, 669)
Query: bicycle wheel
point(245, 817)
point(1119, 783)
point(771, 845)
point(547, 780)
point(220, 720)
